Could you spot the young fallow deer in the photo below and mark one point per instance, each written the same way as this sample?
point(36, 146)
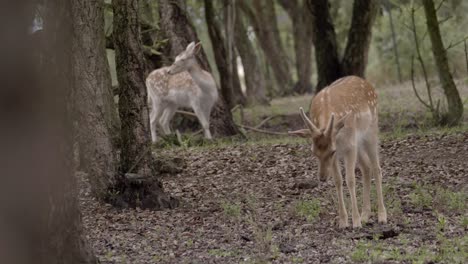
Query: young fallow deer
point(183, 84)
point(354, 138)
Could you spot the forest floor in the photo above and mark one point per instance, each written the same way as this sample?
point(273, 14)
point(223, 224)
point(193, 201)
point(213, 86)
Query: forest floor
point(260, 201)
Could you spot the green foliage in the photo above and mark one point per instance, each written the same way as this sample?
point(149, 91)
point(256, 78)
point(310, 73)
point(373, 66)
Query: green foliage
point(421, 198)
point(453, 250)
point(309, 209)
point(231, 209)
point(451, 201)
point(382, 67)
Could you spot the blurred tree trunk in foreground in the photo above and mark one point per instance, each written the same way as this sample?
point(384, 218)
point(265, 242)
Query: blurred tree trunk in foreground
point(253, 74)
point(302, 32)
point(178, 28)
point(40, 220)
point(454, 102)
point(230, 89)
point(135, 155)
point(263, 19)
point(354, 61)
point(96, 112)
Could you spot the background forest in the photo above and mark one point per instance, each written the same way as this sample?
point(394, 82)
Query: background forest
point(84, 183)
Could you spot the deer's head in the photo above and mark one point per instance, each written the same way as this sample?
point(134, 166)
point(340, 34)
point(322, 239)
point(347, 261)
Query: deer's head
point(185, 59)
point(323, 142)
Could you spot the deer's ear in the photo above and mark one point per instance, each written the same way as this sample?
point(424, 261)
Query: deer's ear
point(304, 133)
point(197, 48)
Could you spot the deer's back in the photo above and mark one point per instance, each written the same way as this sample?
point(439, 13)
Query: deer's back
point(161, 83)
point(348, 95)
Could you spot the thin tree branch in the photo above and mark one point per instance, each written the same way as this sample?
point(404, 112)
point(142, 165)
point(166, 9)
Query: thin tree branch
point(263, 131)
point(414, 85)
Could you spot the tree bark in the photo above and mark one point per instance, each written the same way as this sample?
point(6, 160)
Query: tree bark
point(176, 25)
point(454, 102)
point(302, 32)
point(96, 112)
point(388, 6)
point(326, 50)
point(40, 220)
point(354, 61)
point(227, 79)
point(253, 74)
point(229, 25)
point(135, 154)
point(263, 19)
point(359, 37)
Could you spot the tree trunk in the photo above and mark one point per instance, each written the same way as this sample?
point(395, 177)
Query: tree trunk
point(177, 27)
point(454, 103)
point(40, 219)
point(302, 32)
point(329, 66)
point(253, 73)
point(135, 154)
point(96, 112)
point(229, 24)
point(359, 37)
point(326, 50)
point(221, 55)
point(388, 7)
point(263, 19)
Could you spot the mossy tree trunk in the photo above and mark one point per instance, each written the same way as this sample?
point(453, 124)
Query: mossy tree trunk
point(262, 15)
point(454, 102)
point(145, 189)
point(97, 127)
point(302, 32)
point(354, 61)
point(329, 67)
point(230, 86)
point(253, 73)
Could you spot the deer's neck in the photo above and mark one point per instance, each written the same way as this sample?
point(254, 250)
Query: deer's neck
point(202, 78)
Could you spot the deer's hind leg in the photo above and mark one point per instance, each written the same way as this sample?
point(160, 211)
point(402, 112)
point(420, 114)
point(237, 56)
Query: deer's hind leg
point(203, 114)
point(155, 115)
point(364, 167)
point(371, 145)
point(166, 118)
point(350, 158)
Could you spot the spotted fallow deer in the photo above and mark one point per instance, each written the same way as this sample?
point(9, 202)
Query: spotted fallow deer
point(183, 84)
point(353, 138)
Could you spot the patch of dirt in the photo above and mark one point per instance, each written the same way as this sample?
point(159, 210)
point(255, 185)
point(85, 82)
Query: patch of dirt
point(239, 204)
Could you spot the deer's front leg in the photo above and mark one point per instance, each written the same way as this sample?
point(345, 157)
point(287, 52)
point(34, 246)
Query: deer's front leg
point(342, 214)
point(350, 165)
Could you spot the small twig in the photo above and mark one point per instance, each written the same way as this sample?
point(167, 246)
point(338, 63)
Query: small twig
point(451, 45)
point(235, 108)
point(420, 59)
point(414, 85)
point(466, 57)
point(265, 120)
point(197, 132)
point(262, 131)
point(186, 113)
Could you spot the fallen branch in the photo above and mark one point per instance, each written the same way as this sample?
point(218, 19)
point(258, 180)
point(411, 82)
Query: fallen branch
point(266, 120)
point(262, 131)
